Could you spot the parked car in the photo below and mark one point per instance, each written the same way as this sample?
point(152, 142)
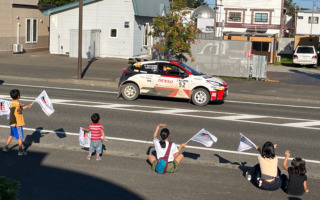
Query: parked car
point(170, 79)
point(306, 55)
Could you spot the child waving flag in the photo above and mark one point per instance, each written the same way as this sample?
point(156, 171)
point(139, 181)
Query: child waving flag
point(245, 143)
point(204, 137)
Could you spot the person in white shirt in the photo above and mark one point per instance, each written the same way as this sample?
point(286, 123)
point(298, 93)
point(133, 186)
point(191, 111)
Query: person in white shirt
point(161, 146)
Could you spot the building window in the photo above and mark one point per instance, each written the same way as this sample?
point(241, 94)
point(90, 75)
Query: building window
point(146, 37)
point(261, 17)
point(261, 46)
point(235, 17)
point(31, 30)
point(113, 33)
point(209, 28)
point(313, 20)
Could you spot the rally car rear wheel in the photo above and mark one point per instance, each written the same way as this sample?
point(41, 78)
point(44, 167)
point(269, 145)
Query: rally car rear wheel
point(130, 91)
point(200, 97)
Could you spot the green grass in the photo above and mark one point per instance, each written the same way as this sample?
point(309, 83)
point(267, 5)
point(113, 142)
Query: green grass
point(285, 59)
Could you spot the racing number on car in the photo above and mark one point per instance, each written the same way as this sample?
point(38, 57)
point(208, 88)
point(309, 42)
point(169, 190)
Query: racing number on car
point(182, 83)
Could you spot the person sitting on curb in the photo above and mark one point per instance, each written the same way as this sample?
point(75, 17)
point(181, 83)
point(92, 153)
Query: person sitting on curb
point(296, 184)
point(161, 147)
point(267, 174)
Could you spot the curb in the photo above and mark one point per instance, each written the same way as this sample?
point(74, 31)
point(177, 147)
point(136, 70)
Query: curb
point(107, 83)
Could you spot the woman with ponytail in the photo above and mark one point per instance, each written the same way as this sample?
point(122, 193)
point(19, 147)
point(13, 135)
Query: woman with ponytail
point(161, 147)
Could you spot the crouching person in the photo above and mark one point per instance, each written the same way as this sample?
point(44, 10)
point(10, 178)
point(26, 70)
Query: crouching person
point(168, 155)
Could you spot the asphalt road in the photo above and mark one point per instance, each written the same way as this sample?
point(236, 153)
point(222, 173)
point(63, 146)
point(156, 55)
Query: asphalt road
point(279, 112)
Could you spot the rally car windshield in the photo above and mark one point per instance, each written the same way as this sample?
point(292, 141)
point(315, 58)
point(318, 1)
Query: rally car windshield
point(193, 71)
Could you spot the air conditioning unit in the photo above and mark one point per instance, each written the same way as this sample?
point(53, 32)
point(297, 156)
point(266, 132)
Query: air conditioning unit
point(278, 59)
point(17, 48)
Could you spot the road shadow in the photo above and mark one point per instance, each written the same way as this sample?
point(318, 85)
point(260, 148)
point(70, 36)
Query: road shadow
point(312, 75)
point(33, 138)
point(87, 67)
point(190, 155)
point(60, 133)
point(242, 166)
point(294, 198)
point(40, 181)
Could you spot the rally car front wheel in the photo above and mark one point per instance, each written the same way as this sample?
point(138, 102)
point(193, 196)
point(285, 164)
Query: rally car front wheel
point(130, 91)
point(200, 97)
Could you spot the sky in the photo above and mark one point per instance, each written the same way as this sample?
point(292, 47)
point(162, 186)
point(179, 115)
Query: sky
point(302, 3)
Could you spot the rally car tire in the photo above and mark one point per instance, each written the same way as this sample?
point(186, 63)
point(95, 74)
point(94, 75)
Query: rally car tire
point(200, 97)
point(130, 91)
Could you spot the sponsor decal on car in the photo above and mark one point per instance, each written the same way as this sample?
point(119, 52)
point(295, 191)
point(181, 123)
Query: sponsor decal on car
point(165, 81)
point(153, 67)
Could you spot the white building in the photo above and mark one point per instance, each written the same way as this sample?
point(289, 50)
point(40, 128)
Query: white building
point(204, 16)
point(307, 23)
point(249, 16)
point(111, 28)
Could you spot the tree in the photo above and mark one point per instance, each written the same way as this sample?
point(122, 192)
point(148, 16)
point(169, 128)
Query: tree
point(291, 7)
point(174, 35)
point(195, 3)
point(56, 2)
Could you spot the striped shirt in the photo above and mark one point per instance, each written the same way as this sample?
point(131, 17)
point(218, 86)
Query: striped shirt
point(95, 129)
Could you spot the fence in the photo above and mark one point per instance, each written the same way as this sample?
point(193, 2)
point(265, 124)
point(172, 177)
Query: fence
point(222, 57)
point(258, 67)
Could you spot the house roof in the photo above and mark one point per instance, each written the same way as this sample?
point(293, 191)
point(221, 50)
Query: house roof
point(67, 7)
point(150, 8)
point(145, 8)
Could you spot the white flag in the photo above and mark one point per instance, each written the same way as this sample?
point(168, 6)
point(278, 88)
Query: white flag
point(84, 138)
point(204, 137)
point(5, 108)
point(44, 101)
point(245, 143)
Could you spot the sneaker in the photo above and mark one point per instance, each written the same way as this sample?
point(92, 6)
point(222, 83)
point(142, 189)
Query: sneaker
point(22, 153)
point(5, 149)
point(89, 158)
point(248, 176)
point(98, 158)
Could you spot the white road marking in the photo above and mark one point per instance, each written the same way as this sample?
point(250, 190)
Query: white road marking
point(239, 117)
point(303, 124)
point(272, 104)
point(236, 117)
point(150, 142)
point(174, 111)
point(112, 92)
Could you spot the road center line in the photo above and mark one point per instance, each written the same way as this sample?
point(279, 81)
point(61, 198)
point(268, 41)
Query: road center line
point(150, 142)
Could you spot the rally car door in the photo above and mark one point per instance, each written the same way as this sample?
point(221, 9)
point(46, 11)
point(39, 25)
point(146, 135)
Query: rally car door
point(167, 82)
point(147, 73)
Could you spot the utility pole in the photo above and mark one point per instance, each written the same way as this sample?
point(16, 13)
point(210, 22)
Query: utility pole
point(312, 19)
point(80, 39)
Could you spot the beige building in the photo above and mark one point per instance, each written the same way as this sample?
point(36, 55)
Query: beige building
point(23, 27)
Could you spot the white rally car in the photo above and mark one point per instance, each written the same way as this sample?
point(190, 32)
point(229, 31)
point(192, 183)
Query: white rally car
point(170, 79)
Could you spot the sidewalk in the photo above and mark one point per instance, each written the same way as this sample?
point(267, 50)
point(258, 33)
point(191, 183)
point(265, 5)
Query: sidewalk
point(42, 66)
point(50, 173)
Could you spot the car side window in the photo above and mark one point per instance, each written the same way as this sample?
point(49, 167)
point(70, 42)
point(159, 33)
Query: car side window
point(170, 70)
point(151, 68)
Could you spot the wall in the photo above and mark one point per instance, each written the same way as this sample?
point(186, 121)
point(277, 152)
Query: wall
point(248, 7)
point(103, 15)
point(8, 26)
point(303, 26)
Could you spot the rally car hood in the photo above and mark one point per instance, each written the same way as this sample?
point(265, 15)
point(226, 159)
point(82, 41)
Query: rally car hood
point(213, 78)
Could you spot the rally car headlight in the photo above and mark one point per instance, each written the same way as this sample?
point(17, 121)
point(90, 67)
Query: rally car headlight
point(216, 85)
point(213, 83)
